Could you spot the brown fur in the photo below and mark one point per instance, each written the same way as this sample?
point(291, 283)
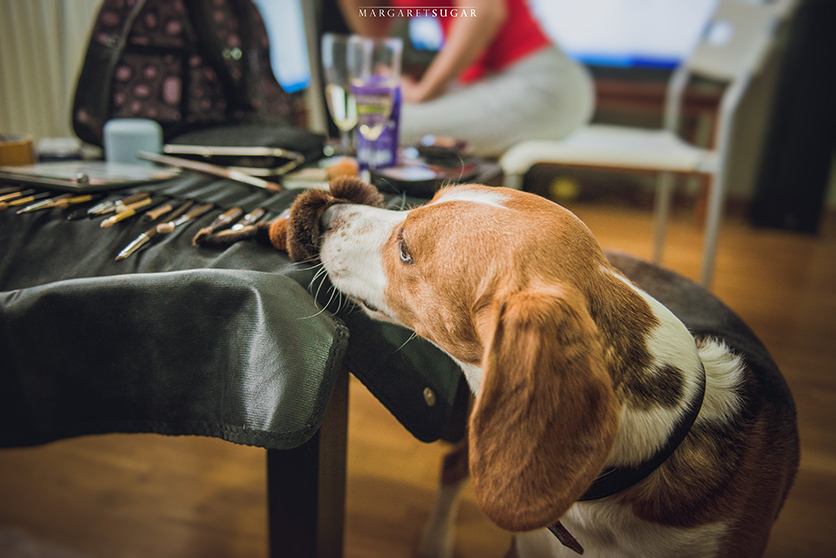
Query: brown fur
point(546, 410)
point(278, 233)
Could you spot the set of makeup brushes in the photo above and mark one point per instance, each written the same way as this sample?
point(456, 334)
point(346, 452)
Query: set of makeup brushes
point(164, 214)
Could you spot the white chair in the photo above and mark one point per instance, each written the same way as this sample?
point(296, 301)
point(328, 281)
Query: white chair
point(732, 50)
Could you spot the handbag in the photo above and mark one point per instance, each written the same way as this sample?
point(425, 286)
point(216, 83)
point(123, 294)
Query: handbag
point(187, 64)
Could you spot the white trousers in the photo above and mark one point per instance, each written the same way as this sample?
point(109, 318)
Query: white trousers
point(543, 96)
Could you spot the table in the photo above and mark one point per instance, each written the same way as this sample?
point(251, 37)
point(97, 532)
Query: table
point(179, 339)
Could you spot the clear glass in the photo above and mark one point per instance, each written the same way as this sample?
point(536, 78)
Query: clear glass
point(374, 68)
point(338, 96)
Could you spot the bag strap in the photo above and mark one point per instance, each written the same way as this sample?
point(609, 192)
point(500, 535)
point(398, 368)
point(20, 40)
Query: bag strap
point(119, 48)
point(129, 24)
point(96, 101)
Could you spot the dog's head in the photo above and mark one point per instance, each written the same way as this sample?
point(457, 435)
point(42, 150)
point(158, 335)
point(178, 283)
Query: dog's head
point(502, 281)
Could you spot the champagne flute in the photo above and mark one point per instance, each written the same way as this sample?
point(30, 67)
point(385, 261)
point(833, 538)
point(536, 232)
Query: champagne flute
point(374, 69)
point(338, 96)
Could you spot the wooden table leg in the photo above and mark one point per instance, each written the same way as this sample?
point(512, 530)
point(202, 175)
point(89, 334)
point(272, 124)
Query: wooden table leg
point(306, 487)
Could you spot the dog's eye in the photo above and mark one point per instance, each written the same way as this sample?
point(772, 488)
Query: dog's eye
point(403, 251)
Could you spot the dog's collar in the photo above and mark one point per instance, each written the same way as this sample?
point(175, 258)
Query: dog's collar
point(615, 479)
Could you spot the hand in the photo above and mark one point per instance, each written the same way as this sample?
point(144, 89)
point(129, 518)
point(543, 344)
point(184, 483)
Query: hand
point(411, 90)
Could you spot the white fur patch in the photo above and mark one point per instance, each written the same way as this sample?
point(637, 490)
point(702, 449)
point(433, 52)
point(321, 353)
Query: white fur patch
point(724, 376)
point(472, 373)
point(352, 249)
point(486, 197)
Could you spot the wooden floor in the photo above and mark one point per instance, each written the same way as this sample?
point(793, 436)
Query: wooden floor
point(143, 495)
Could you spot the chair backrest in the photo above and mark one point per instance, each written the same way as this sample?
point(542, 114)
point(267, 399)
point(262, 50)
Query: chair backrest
point(736, 41)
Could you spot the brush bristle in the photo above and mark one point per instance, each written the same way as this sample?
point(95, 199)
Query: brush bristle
point(277, 233)
point(201, 236)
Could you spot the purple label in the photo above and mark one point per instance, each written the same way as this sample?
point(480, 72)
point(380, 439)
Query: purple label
point(385, 149)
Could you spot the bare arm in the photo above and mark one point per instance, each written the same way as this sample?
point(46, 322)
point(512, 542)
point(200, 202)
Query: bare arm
point(466, 39)
point(377, 27)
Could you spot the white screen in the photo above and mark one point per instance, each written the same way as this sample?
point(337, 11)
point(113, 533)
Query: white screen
point(625, 33)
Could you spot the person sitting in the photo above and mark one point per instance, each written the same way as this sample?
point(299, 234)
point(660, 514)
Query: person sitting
point(496, 81)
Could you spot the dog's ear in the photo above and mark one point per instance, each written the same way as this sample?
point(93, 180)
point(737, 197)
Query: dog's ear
point(545, 417)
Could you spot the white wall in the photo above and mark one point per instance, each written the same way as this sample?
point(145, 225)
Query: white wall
point(42, 43)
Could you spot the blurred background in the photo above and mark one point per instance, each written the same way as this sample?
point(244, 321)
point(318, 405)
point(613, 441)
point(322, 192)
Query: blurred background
point(631, 47)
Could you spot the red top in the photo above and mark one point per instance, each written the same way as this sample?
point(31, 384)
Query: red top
point(518, 37)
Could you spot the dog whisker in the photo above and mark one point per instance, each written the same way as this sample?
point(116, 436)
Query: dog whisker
point(398, 205)
point(300, 267)
point(319, 288)
point(391, 186)
point(339, 299)
point(353, 306)
point(320, 274)
point(323, 309)
point(334, 293)
point(410, 338)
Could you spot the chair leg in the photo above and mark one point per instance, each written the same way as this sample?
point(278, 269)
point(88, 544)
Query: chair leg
point(662, 209)
point(514, 181)
point(306, 487)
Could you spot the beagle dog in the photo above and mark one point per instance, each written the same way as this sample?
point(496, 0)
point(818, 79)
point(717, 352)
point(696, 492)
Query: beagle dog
point(600, 424)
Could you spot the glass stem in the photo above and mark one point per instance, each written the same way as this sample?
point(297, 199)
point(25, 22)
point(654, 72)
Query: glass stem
point(346, 143)
point(373, 157)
